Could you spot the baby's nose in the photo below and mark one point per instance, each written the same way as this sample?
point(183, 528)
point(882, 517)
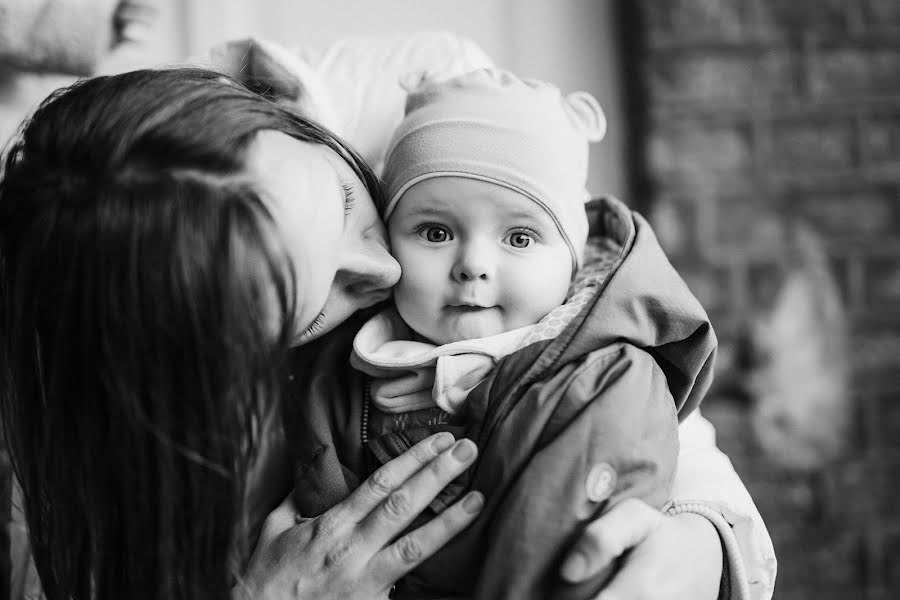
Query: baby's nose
point(470, 274)
point(473, 263)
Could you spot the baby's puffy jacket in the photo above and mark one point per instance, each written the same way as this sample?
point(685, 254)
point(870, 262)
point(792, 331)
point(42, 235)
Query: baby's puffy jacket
point(566, 427)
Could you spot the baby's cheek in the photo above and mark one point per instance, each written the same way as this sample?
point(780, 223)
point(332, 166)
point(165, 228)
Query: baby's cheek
point(539, 289)
point(413, 295)
point(415, 280)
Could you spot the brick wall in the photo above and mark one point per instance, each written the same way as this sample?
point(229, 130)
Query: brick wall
point(749, 113)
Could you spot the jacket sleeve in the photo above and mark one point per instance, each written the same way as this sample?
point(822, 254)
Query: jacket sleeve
point(707, 484)
point(572, 447)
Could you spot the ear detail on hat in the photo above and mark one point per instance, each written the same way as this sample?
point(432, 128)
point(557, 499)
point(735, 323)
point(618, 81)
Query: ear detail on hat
point(587, 115)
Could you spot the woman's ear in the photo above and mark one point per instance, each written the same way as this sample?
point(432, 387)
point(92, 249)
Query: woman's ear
point(586, 114)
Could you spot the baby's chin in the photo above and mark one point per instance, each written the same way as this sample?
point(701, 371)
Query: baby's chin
point(469, 326)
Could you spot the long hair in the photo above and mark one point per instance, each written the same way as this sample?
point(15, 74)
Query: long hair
point(140, 277)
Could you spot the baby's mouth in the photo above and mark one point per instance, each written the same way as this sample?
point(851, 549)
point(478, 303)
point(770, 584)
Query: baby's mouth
point(468, 308)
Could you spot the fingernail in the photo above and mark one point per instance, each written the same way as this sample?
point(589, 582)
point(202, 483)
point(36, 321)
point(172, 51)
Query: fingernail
point(464, 450)
point(573, 569)
point(442, 441)
point(473, 502)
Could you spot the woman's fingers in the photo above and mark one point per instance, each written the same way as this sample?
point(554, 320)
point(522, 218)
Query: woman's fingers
point(391, 476)
point(347, 552)
point(279, 520)
point(408, 500)
point(380, 509)
point(407, 552)
point(626, 525)
point(682, 558)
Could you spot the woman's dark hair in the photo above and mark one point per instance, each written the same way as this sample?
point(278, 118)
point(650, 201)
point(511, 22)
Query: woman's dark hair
point(137, 351)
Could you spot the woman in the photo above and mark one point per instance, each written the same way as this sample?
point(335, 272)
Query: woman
point(166, 237)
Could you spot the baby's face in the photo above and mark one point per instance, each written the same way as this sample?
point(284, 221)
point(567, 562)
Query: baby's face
point(477, 259)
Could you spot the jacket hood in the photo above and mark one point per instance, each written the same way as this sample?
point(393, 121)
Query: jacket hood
point(643, 302)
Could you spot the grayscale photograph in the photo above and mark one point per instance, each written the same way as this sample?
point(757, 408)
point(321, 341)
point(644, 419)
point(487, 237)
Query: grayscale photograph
point(449, 299)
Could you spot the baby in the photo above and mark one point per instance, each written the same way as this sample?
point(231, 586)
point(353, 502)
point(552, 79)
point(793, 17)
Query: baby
point(486, 189)
point(569, 368)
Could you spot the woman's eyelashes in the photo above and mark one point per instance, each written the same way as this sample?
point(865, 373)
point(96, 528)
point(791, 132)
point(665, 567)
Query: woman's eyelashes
point(317, 325)
point(349, 197)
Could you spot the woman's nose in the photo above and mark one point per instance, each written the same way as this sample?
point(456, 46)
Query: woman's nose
point(473, 263)
point(368, 268)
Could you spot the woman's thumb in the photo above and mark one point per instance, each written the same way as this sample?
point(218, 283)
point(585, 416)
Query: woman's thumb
point(622, 527)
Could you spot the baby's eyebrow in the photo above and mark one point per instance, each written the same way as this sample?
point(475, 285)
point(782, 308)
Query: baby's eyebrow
point(521, 215)
point(419, 211)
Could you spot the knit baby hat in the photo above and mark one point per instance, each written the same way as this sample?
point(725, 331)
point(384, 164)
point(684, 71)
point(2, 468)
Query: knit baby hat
point(493, 126)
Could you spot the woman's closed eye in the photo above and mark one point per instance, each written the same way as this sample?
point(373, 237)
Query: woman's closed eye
point(317, 325)
point(349, 197)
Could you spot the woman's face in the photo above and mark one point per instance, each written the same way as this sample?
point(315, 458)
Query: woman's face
point(329, 226)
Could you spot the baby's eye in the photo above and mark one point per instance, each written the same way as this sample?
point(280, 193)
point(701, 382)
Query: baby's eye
point(520, 239)
point(436, 234)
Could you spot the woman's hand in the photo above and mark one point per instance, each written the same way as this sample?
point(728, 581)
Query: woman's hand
point(670, 558)
point(350, 551)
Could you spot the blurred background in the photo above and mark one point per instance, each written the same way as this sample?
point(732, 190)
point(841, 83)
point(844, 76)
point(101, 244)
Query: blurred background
point(761, 138)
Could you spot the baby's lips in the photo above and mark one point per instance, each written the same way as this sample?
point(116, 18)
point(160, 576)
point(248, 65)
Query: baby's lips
point(469, 307)
point(474, 302)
